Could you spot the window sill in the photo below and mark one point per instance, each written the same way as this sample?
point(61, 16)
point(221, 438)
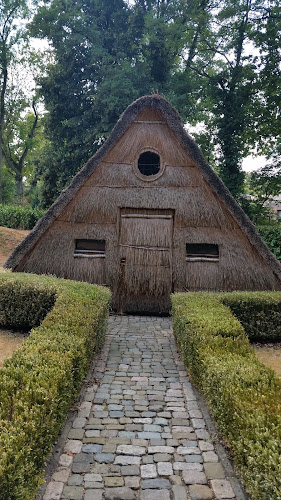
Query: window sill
point(89, 256)
point(202, 259)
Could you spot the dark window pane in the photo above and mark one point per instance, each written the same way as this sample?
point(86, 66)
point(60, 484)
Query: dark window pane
point(95, 246)
point(202, 250)
point(149, 163)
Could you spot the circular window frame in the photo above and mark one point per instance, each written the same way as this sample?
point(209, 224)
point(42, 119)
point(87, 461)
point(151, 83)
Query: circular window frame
point(148, 178)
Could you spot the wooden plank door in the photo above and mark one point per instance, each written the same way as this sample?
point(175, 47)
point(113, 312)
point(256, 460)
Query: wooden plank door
point(145, 251)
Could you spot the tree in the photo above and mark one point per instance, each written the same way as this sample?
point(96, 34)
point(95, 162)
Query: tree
point(103, 64)
point(263, 187)
point(107, 53)
point(18, 140)
point(11, 34)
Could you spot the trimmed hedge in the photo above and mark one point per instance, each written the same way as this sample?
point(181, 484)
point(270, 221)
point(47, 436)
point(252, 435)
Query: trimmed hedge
point(243, 395)
point(41, 379)
point(259, 313)
point(18, 217)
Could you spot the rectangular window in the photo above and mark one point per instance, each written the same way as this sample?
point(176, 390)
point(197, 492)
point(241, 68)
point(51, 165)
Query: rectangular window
point(89, 248)
point(278, 214)
point(202, 252)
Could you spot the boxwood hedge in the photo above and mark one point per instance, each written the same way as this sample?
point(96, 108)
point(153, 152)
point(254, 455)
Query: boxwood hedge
point(18, 217)
point(41, 379)
point(243, 395)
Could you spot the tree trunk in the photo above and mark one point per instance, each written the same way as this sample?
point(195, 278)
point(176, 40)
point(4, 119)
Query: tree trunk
point(19, 188)
point(2, 114)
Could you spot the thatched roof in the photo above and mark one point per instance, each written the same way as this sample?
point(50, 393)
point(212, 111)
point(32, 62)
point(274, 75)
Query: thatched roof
point(174, 121)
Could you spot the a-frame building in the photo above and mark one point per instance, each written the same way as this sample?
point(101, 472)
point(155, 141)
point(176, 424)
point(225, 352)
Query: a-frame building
point(147, 216)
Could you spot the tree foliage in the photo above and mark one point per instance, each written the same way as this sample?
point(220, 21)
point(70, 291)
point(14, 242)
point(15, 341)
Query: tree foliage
point(18, 112)
point(217, 62)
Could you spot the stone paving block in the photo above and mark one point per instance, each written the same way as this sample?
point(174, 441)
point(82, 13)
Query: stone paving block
point(80, 468)
point(157, 484)
point(155, 495)
point(109, 448)
point(105, 458)
point(179, 492)
point(131, 450)
point(214, 470)
point(177, 466)
point(184, 450)
point(161, 449)
point(85, 458)
point(210, 456)
point(93, 494)
point(94, 440)
point(65, 460)
point(130, 470)
point(93, 485)
point(76, 434)
point(73, 446)
point(194, 477)
point(91, 448)
point(75, 480)
point(127, 460)
point(152, 428)
point(122, 493)
point(113, 481)
point(205, 446)
point(147, 459)
point(53, 491)
point(61, 475)
point(132, 482)
point(93, 477)
point(92, 433)
point(73, 492)
point(164, 469)
point(202, 434)
point(193, 458)
point(222, 489)
point(79, 423)
point(162, 457)
point(148, 471)
point(200, 492)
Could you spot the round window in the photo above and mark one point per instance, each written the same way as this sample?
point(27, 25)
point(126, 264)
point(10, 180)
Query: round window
point(149, 163)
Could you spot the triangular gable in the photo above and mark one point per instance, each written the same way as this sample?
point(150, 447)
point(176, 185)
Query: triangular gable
point(159, 105)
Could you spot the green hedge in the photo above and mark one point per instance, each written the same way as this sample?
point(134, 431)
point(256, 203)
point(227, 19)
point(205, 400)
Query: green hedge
point(259, 313)
point(41, 379)
point(18, 217)
point(243, 395)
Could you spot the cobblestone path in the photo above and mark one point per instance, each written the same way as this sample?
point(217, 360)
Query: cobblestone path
point(139, 432)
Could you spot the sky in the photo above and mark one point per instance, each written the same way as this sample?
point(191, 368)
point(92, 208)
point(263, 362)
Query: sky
point(251, 163)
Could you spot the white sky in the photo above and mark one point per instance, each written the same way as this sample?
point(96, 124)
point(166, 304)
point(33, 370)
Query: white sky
point(251, 163)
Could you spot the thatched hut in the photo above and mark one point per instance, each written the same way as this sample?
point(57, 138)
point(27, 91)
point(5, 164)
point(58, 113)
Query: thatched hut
point(147, 216)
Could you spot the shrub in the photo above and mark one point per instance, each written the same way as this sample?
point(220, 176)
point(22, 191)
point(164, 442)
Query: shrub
point(243, 395)
point(42, 378)
point(18, 217)
point(259, 313)
point(271, 234)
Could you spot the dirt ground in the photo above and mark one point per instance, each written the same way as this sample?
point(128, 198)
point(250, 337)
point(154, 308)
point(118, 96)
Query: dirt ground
point(270, 355)
point(9, 342)
point(9, 239)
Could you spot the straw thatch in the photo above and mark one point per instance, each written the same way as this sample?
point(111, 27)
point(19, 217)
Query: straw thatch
point(146, 222)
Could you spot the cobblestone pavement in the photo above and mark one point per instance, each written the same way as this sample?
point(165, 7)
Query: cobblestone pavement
point(139, 432)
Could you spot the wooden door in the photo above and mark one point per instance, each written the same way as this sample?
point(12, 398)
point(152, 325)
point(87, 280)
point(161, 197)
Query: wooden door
point(145, 251)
